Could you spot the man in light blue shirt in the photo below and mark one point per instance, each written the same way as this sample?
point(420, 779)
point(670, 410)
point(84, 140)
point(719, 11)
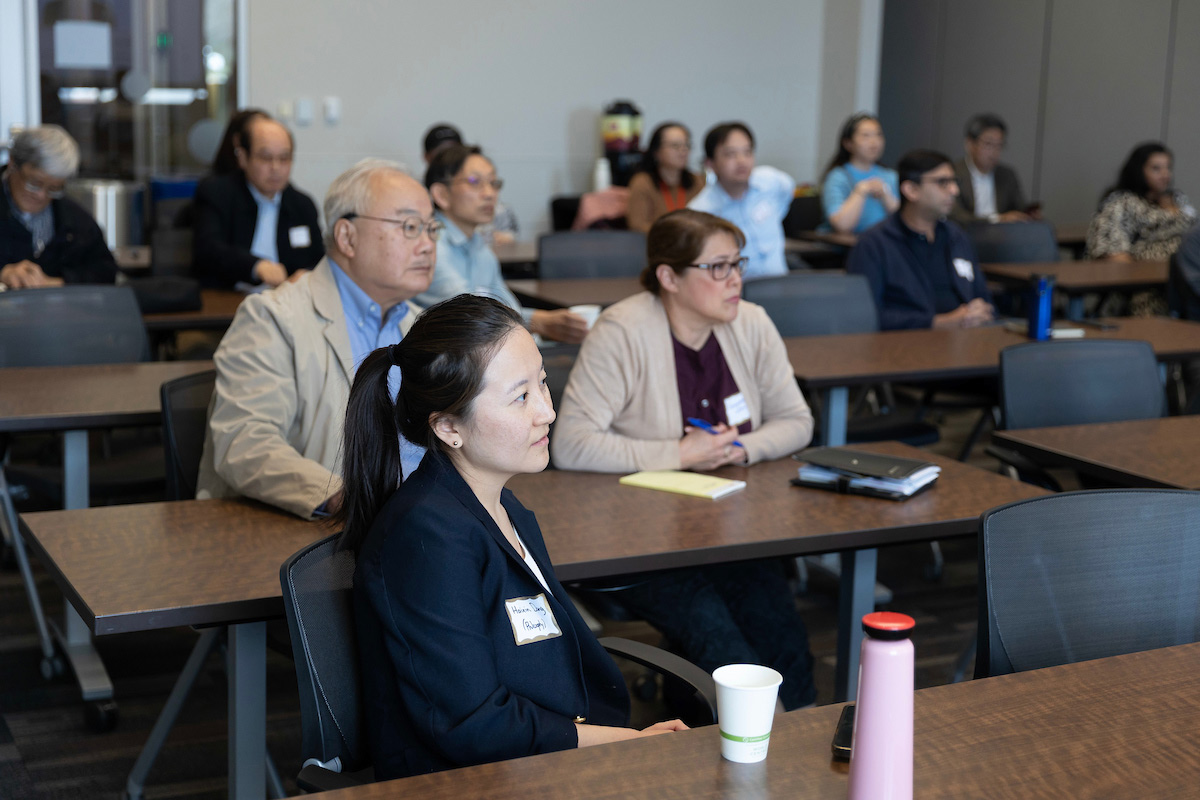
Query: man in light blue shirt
point(756, 199)
point(464, 187)
point(285, 367)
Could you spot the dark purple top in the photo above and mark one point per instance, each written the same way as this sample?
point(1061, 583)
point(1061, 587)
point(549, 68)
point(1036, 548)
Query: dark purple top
point(704, 382)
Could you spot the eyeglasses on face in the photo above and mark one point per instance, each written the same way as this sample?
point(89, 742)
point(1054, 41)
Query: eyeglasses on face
point(941, 183)
point(677, 146)
point(720, 270)
point(477, 182)
point(413, 227)
point(282, 159)
point(53, 191)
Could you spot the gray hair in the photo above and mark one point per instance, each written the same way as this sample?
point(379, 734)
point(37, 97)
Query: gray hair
point(48, 148)
point(351, 191)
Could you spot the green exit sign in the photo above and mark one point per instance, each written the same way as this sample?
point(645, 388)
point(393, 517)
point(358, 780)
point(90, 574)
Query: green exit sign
point(164, 40)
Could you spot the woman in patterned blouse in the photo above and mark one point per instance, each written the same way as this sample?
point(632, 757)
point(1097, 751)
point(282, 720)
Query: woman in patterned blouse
point(1142, 218)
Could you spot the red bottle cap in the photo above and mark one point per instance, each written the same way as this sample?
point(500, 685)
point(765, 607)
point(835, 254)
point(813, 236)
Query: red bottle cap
point(888, 625)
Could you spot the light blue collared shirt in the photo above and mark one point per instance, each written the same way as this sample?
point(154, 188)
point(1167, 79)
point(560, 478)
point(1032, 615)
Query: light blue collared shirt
point(369, 330)
point(266, 228)
point(759, 213)
point(467, 265)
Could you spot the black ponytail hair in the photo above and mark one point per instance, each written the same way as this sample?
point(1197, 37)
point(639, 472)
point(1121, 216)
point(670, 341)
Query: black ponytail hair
point(442, 360)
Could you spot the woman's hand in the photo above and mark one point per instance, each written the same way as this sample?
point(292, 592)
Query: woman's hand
point(666, 726)
point(702, 450)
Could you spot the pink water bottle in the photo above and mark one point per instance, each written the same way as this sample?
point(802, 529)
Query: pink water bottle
point(881, 755)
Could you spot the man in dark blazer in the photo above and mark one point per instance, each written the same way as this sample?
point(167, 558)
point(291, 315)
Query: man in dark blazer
point(47, 239)
point(252, 226)
point(921, 266)
point(988, 190)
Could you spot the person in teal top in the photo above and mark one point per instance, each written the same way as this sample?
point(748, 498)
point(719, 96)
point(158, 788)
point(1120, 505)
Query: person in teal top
point(859, 193)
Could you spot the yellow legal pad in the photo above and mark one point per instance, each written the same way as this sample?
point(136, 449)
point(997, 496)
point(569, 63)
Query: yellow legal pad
point(673, 480)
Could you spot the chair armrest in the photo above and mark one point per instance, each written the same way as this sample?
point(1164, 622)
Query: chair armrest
point(318, 779)
point(1029, 470)
point(666, 663)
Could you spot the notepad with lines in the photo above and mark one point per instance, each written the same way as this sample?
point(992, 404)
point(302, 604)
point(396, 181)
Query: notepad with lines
point(680, 482)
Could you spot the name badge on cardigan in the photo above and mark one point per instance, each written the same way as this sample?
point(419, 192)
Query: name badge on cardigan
point(531, 619)
point(965, 269)
point(299, 236)
point(736, 410)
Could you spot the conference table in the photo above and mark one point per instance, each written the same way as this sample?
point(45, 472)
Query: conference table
point(72, 401)
point(1077, 278)
point(523, 252)
point(1148, 453)
point(564, 292)
point(831, 365)
point(216, 562)
point(1121, 727)
point(1071, 235)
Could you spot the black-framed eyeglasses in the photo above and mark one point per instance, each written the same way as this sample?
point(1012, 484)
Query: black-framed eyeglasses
point(413, 227)
point(720, 271)
point(941, 183)
point(477, 182)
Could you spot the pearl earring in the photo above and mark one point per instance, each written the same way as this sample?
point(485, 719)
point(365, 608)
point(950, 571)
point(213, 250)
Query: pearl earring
point(455, 443)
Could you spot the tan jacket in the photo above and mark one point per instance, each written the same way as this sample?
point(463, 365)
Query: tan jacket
point(620, 411)
point(646, 201)
point(283, 379)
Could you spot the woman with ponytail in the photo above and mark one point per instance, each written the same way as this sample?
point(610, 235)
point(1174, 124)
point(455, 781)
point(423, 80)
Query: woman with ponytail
point(470, 650)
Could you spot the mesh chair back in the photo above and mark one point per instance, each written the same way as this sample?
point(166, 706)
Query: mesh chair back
point(1007, 242)
point(68, 325)
point(1043, 384)
point(171, 252)
point(812, 304)
point(185, 416)
point(1183, 281)
point(317, 583)
point(591, 254)
point(1082, 575)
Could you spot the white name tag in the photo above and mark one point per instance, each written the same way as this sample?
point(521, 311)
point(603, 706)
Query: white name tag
point(736, 410)
point(531, 619)
point(964, 268)
point(299, 236)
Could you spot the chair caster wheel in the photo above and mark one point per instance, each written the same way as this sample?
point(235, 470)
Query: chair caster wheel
point(53, 667)
point(100, 715)
point(645, 688)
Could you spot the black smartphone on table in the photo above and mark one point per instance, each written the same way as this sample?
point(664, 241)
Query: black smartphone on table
point(844, 733)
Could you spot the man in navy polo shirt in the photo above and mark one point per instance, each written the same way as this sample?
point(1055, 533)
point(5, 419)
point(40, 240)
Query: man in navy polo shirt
point(921, 266)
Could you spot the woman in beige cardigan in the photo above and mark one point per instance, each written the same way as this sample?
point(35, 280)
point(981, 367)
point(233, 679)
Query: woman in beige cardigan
point(690, 347)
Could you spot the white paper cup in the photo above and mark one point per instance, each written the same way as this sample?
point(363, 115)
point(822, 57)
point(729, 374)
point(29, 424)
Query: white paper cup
point(588, 312)
point(745, 710)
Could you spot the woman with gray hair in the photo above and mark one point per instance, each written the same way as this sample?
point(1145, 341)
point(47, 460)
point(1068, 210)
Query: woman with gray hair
point(47, 239)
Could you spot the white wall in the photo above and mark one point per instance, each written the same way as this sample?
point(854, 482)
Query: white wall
point(528, 80)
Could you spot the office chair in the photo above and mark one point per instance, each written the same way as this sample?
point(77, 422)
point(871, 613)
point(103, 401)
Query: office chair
point(591, 254)
point(1009, 242)
point(1073, 382)
point(317, 600)
point(1083, 575)
point(185, 415)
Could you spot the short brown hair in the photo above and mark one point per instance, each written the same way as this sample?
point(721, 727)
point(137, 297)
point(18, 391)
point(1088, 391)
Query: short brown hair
point(677, 240)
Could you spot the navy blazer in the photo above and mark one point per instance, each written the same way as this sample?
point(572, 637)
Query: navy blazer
point(77, 253)
point(901, 284)
point(446, 682)
point(225, 215)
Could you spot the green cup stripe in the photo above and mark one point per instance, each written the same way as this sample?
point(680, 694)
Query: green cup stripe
point(746, 739)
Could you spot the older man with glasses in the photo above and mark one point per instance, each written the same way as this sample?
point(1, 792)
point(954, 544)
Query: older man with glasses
point(47, 239)
point(284, 368)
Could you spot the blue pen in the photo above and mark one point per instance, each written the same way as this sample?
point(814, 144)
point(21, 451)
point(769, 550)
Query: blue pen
point(708, 428)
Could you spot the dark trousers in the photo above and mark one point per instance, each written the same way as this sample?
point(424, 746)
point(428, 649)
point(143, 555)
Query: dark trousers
point(730, 614)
